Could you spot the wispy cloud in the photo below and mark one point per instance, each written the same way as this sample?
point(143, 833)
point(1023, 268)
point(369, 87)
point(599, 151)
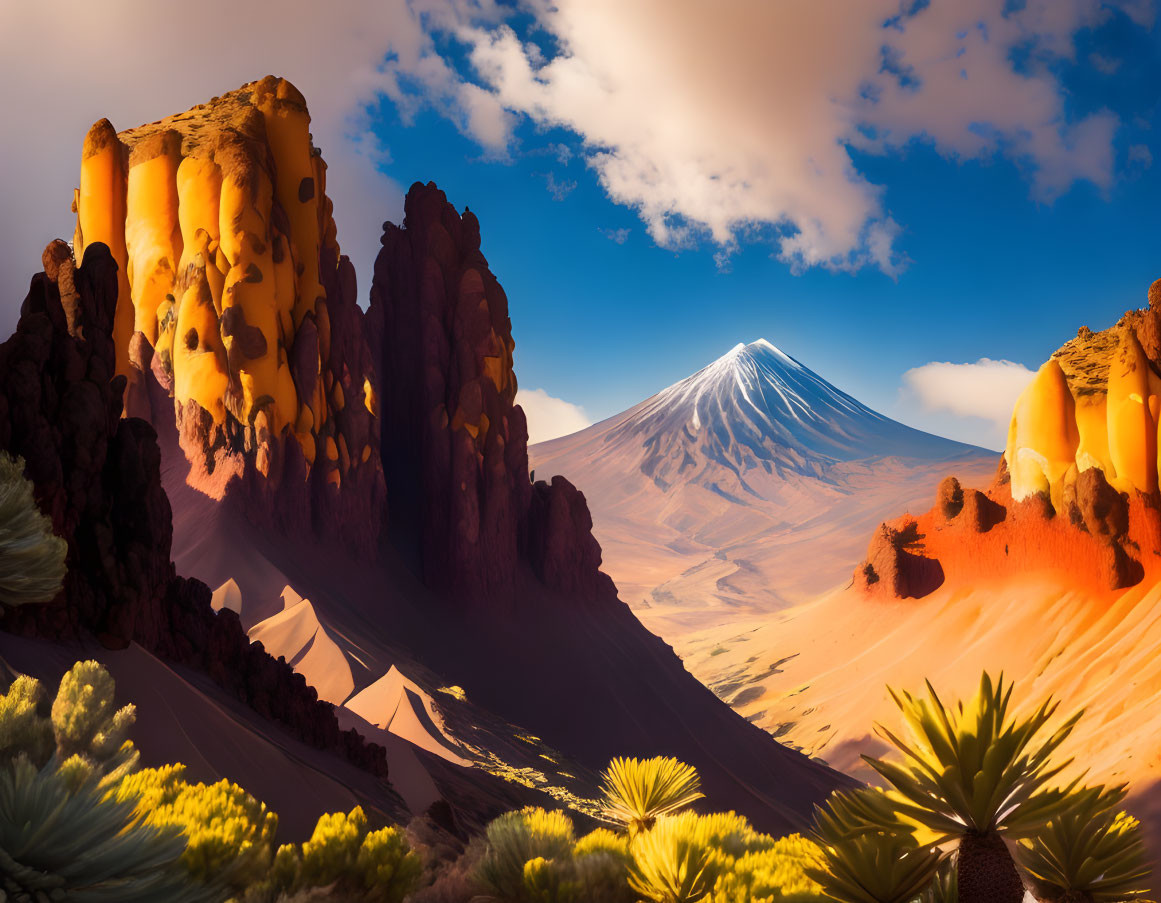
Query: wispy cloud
point(559, 189)
point(617, 236)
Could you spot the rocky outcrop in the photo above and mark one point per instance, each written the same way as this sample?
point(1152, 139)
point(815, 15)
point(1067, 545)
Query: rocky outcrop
point(1077, 490)
point(896, 565)
point(455, 445)
point(234, 300)
point(97, 475)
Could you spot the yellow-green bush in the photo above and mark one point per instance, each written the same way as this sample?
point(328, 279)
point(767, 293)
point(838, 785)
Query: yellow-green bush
point(388, 867)
point(32, 558)
point(373, 866)
point(517, 838)
point(229, 834)
point(771, 875)
point(85, 731)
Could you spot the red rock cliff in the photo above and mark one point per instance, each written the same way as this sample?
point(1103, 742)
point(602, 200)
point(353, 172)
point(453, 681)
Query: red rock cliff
point(455, 445)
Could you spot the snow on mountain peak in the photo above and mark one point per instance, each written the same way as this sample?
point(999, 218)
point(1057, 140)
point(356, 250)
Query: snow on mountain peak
point(756, 406)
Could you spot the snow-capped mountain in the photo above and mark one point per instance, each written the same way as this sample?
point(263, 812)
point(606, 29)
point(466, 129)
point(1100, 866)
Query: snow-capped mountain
point(753, 484)
point(757, 407)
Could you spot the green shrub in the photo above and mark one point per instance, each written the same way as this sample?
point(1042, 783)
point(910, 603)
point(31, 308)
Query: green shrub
point(23, 729)
point(388, 867)
point(376, 866)
point(229, 834)
point(76, 843)
point(775, 874)
point(516, 838)
point(1092, 852)
point(682, 856)
point(32, 558)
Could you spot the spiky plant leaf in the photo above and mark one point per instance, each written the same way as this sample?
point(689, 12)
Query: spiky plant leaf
point(975, 767)
point(672, 862)
point(57, 843)
point(1091, 849)
point(638, 791)
point(944, 887)
point(867, 852)
point(32, 558)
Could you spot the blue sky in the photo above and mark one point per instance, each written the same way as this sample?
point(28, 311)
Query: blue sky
point(603, 316)
point(872, 185)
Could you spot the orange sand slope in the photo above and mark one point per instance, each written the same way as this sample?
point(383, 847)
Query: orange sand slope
point(815, 676)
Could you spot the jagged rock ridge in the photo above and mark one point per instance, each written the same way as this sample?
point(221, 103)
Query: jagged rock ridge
point(97, 475)
point(442, 340)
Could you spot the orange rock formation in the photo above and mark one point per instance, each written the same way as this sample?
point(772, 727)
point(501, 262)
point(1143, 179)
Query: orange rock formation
point(230, 286)
point(1076, 491)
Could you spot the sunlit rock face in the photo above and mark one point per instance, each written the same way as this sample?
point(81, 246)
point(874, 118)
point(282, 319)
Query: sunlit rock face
point(1095, 404)
point(1077, 490)
point(233, 299)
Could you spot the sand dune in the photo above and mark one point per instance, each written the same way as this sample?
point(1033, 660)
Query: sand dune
point(228, 595)
point(396, 704)
point(296, 635)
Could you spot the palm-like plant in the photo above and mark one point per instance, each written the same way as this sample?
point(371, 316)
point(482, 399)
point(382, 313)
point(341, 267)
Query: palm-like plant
point(60, 842)
point(867, 853)
point(637, 791)
point(32, 558)
point(1093, 853)
point(978, 775)
point(943, 887)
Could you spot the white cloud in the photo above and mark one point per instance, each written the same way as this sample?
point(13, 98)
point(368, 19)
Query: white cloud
point(986, 390)
point(709, 118)
point(549, 417)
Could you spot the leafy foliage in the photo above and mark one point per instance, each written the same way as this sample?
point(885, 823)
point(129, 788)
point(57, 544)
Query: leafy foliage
point(868, 854)
point(58, 841)
point(229, 834)
point(682, 856)
point(638, 791)
point(85, 736)
point(976, 768)
point(372, 866)
point(517, 838)
point(1092, 849)
point(671, 862)
point(773, 875)
point(944, 887)
point(32, 558)
point(23, 729)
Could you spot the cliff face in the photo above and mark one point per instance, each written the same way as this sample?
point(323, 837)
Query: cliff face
point(97, 475)
point(1077, 488)
point(455, 446)
point(232, 297)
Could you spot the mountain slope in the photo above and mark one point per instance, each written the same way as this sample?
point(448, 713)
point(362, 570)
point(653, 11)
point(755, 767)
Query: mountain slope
point(749, 485)
point(375, 462)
